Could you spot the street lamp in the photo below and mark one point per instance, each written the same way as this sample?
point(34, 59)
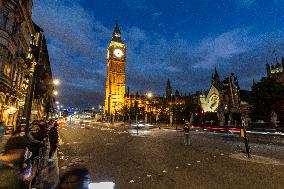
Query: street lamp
point(57, 102)
point(149, 95)
point(56, 82)
point(55, 93)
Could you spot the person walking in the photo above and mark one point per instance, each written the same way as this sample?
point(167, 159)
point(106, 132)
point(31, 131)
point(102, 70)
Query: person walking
point(53, 139)
point(186, 130)
point(35, 136)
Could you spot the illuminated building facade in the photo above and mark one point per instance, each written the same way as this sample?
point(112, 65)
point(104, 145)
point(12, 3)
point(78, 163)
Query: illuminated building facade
point(16, 62)
point(276, 71)
point(115, 81)
point(16, 27)
point(222, 96)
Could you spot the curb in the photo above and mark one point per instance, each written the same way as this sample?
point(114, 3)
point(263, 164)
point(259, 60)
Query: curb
point(257, 159)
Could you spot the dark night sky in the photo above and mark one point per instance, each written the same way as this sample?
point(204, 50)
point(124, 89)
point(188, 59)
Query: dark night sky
point(182, 40)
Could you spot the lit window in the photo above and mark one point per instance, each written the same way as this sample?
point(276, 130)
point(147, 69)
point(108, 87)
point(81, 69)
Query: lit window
point(7, 69)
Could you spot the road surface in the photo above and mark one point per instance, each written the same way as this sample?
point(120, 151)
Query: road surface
point(157, 158)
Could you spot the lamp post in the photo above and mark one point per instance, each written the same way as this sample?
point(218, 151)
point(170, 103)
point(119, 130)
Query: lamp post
point(136, 114)
point(55, 83)
point(149, 96)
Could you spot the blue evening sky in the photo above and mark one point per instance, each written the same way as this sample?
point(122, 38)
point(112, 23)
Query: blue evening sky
point(182, 40)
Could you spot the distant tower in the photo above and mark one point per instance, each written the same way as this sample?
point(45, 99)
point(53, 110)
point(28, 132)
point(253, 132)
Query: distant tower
point(115, 81)
point(169, 91)
point(216, 80)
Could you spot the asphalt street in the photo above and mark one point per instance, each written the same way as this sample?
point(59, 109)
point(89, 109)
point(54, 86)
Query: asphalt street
point(157, 158)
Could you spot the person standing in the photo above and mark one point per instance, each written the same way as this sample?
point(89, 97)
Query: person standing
point(186, 129)
point(53, 139)
point(36, 137)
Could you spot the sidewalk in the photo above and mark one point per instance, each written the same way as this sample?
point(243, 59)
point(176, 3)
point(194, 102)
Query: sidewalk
point(8, 177)
point(11, 154)
point(50, 173)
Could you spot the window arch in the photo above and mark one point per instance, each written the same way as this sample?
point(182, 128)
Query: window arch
point(4, 15)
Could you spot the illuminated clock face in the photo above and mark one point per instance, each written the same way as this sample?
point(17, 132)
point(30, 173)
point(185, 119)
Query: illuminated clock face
point(118, 53)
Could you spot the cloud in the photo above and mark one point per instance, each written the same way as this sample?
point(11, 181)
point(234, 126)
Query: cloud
point(246, 3)
point(136, 4)
point(77, 54)
point(189, 66)
point(223, 47)
point(77, 44)
point(156, 15)
point(63, 21)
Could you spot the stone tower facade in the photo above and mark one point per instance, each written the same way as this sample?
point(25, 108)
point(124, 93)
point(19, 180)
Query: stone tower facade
point(276, 71)
point(115, 81)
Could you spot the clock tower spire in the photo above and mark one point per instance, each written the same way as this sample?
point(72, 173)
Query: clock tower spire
point(115, 81)
point(116, 36)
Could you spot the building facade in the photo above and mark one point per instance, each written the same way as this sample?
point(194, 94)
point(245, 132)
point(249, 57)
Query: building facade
point(222, 95)
point(16, 62)
point(115, 81)
point(276, 71)
point(16, 27)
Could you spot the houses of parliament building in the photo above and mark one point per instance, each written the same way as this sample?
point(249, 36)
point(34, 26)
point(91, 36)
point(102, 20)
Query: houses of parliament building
point(223, 94)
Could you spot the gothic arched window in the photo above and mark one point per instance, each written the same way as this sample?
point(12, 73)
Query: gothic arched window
point(4, 13)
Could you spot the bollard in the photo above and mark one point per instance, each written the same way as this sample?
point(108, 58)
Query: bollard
point(137, 129)
point(243, 134)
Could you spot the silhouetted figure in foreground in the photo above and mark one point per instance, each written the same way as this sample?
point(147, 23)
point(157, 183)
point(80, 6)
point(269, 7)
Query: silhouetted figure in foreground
point(53, 139)
point(76, 178)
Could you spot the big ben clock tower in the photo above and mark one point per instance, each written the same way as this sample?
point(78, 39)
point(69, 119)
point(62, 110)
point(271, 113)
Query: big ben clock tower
point(115, 81)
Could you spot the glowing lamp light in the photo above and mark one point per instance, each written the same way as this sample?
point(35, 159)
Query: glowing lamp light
point(12, 110)
point(149, 95)
point(56, 82)
point(55, 93)
point(57, 102)
point(34, 112)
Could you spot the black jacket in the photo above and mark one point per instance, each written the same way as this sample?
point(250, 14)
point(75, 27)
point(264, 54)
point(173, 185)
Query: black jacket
point(53, 134)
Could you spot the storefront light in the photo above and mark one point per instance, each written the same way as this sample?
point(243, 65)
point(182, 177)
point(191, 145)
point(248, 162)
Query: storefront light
point(12, 110)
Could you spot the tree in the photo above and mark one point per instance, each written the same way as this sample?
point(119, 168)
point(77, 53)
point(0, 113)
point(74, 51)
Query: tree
point(264, 98)
point(125, 112)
